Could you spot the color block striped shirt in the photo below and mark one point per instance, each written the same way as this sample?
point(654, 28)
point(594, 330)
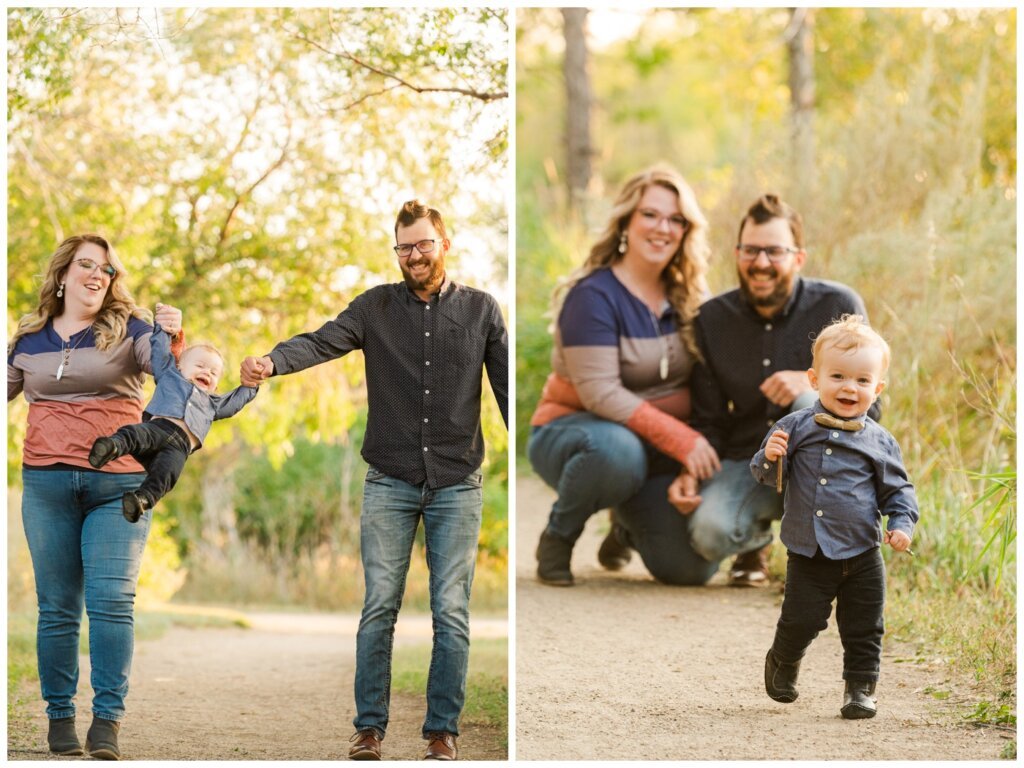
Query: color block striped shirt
point(98, 392)
point(607, 361)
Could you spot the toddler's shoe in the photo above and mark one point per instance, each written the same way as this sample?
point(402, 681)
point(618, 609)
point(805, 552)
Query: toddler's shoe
point(133, 505)
point(103, 450)
point(858, 699)
point(780, 678)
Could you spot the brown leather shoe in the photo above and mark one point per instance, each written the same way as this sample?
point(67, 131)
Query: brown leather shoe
point(366, 746)
point(751, 569)
point(441, 746)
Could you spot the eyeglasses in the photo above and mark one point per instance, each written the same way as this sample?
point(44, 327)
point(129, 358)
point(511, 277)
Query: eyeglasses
point(775, 253)
point(89, 265)
point(675, 221)
point(423, 246)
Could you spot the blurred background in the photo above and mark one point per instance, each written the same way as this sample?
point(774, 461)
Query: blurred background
point(248, 165)
point(893, 133)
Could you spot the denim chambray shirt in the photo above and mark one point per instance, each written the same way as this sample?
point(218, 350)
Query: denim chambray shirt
point(839, 485)
point(179, 398)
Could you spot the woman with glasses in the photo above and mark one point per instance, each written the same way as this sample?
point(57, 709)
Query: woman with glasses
point(610, 429)
point(80, 359)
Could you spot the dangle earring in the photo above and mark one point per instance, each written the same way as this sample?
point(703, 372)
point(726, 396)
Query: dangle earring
point(60, 291)
point(622, 243)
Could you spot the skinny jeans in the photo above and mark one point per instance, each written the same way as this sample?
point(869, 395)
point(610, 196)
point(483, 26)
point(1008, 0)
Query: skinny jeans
point(84, 553)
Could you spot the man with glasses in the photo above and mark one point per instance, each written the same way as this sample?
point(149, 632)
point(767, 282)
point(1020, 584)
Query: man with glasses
point(756, 343)
point(425, 342)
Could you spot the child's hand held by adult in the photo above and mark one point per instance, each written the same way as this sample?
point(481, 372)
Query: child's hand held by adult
point(168, 318)
point(255, 370)
point(777, 445)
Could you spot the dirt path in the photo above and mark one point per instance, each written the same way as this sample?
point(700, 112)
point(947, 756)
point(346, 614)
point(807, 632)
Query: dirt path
point(281, 690)
point(620, 667)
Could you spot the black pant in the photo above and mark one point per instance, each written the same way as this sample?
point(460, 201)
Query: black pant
point(161, 447)
point(858, 587)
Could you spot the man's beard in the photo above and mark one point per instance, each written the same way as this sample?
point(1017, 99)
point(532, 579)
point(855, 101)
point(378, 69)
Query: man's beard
point(433, 279)
point(778, 296)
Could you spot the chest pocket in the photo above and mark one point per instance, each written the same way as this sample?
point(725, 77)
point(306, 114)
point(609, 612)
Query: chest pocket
point(464, 347)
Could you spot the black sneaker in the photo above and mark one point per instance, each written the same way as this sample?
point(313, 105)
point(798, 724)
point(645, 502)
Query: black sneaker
point(858, 699)
point(62, 737)
point(101, 741)
point(133, 505)
point(553, 556)
point(103, 450)
point(780, 678)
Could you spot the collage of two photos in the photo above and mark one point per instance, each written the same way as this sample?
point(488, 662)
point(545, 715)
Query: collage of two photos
point(746, 276)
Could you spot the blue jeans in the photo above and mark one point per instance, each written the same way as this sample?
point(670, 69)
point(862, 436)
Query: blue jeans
point(451, 523)
point(735, 513)
point(83, 551)
point(596, 464)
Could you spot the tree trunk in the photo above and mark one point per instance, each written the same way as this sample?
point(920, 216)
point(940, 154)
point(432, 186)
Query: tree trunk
point(578, 102)
point(800, 42)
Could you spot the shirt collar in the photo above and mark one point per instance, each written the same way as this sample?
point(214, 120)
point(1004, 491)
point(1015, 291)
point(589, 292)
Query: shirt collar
point(446, 285)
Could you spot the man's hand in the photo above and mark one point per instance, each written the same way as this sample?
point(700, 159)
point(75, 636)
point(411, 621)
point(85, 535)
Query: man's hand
point(898, 540)
point(777, 445)
point(168, 318)
point(702, 461)
point(682, 493)
point(255, 370)
point(783, 387)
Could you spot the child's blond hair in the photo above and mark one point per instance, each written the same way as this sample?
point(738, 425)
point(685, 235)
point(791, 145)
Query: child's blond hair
point(850, 332)
point(202, 345)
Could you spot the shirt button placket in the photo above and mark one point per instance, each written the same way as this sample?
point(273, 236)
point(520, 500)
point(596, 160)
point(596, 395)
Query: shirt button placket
point(428, 385)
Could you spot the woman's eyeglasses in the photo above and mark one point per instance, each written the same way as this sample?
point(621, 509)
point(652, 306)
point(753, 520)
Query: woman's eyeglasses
point(89, 265)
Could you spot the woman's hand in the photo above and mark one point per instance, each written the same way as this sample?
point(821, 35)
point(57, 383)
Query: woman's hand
point(168, 318)
point(682, 493)
point(702, 461)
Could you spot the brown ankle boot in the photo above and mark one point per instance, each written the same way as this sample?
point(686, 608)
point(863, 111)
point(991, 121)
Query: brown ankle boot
point(751, 569)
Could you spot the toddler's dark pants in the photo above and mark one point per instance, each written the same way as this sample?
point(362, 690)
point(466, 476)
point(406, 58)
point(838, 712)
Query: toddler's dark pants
point(161, 447)
point(858, 587)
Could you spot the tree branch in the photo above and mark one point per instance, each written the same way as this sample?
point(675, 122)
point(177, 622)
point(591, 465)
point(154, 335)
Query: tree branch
point(481, 95)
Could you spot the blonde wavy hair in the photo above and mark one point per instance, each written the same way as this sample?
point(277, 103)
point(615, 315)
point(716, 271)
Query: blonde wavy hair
point(685, 276)
point(111, 322)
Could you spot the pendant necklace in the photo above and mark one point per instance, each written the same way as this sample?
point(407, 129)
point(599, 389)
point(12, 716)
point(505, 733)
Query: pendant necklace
point(66, 348)
point(663, 363)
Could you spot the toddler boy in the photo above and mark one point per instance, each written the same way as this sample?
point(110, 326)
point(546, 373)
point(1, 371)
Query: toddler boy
point(845, 472)
point(175, 422)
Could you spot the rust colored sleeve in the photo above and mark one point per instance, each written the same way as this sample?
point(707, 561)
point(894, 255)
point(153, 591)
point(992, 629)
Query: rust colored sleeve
point(666, 433)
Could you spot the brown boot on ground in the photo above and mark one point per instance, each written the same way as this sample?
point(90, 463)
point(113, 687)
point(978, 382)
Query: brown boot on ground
point(101, 740)
point(614, 554)
point(553, 556)
point(751, 569)
point(62, 738)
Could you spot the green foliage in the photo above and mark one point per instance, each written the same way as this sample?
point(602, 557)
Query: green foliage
point(247, 164)
point(989, 713)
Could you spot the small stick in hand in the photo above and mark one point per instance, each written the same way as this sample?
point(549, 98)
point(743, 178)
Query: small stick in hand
point(778, 476)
